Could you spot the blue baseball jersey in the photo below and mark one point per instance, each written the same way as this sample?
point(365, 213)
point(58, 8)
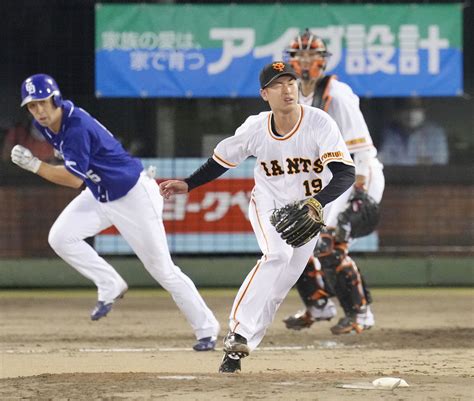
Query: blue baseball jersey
point(92, 153)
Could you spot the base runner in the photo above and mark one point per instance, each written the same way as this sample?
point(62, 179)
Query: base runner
point(116, 192)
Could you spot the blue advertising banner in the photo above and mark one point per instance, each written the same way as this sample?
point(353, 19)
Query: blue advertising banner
point(150, 50)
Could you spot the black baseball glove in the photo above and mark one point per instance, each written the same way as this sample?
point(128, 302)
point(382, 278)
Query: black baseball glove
point(362, 214)
point(298, 222)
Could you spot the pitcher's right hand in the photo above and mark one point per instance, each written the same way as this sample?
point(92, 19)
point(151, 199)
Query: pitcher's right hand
point(173, 187)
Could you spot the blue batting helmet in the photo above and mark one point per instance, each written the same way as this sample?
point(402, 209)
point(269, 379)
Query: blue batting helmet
point(40, 87)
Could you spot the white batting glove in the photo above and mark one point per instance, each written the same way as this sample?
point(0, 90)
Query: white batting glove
point(23, 157)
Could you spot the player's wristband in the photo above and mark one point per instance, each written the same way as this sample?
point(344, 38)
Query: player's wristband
point(33, 165)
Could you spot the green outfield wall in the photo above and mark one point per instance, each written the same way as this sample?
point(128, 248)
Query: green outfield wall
point(229, 272)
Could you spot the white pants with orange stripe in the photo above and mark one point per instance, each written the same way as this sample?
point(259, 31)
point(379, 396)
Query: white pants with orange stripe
point(268, 283)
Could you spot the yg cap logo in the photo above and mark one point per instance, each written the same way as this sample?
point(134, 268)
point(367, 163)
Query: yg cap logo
point(30, 88)
point(278, 66)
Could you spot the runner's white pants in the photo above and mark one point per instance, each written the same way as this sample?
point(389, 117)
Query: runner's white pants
point(269, 282)
point(138, 218)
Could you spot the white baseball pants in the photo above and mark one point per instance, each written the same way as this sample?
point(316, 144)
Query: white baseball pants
point(269, 282)
point(138, 218)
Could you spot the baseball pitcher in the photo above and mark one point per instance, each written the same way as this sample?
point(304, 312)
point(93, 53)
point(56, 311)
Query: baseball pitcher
point(302, 163)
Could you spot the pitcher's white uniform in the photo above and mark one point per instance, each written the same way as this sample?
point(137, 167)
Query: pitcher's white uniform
point(287, 169)
point(343, 107)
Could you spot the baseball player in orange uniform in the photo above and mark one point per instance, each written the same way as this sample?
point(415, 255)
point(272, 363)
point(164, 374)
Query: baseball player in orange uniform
point(300, 154)
point(339, 274)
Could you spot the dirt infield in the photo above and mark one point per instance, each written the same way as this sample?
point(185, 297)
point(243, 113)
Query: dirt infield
point(50, 350)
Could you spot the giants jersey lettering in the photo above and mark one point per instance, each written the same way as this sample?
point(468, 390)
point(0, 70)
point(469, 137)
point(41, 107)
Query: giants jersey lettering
point(343, 107)
point(288, 168)
point(92, 153)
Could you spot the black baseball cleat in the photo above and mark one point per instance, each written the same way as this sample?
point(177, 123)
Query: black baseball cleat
point(236, 344)
point(230, 364)
point(298, 321)
point(304, 319)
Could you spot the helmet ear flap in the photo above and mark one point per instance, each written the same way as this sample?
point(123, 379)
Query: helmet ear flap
point(57, 100)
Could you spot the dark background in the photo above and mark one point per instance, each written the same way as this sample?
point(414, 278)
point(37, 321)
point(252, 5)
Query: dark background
point(425, 209)
point(57, 37)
